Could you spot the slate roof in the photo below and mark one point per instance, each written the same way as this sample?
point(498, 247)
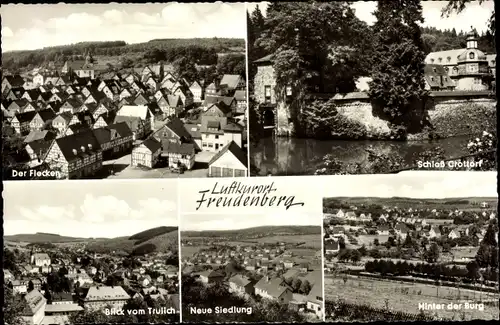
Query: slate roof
point(47, 114)
point(15, 80)
point(266, 59)
point(25, 117)
point(436, 76)
point(178, 127)
point(141, 111)
point(176, 147)
point(75, 142)
point(103, 134)
point(218, 125)
point(32, 302)
point(152, 144)
point(217, 99)
point(234, 149)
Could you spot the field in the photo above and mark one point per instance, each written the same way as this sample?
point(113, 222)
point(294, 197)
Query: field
point(405, 297)
point(368, 239)
point(310, 240)
point(189, 251)
point(305, 252)
point(465, 203)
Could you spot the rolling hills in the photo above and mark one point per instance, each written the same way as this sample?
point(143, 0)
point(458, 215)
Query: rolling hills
point(159, 239)
point(255, 232)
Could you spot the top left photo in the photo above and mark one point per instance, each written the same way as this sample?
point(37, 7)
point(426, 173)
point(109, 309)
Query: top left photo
point(124, 91)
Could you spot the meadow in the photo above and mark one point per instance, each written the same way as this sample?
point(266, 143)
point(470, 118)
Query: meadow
point(405, 297)
point(367, 240)
point(189, 251)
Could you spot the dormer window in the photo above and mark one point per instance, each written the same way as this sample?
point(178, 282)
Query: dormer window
point(434, 69)
point(448, 59)
point(432, 78)
point(471, 55)
point(432, 60)
point(440, 60)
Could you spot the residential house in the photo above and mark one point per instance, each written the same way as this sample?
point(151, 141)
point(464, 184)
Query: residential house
point(315, 301)
point(77, 155)
point(21, 122)
point(274, 289)
point(141, 111)
point(135, 124)
point(99, 297)
point(240, 96)
point(33, 311)
point(38, 149)
point(42, 119)
point(105, 119)
point(219, 110)
point(434, 232)
point(115, 139)
point(211, 90)
point(197, 92)
point(331, 247)
point(179, 154)
point(241, 285)
point(61, 121)
point(383, 230)
point(231, 161)
point(217, 132)
point(401, 230)
point(147, 153)
point(13, 81)
point(211, 276)
point(454, 234)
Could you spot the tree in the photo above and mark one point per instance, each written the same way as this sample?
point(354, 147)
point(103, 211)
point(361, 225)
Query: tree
point(376, 242)
point(12, 308)
point(31, 286)
point(355, 256)
point(489, 237)
point(296, 283)
point(305, 287)
point(398, 83)
point(432, 255)
point(459, 5)
point(185, 68)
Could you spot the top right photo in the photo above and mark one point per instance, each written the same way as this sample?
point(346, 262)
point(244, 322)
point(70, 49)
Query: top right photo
point(371, 87)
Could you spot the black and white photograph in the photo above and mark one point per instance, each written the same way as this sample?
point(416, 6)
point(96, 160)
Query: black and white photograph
point(371, 87)
point(420, 247)
point(99, 255)
point(251, 268)
point(124, 91)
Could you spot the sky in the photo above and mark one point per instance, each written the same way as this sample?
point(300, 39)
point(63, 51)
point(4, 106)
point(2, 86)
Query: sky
point(89, 208)
point(199, 222)
point(28, 27)
point(415, 184)
point(475, 15)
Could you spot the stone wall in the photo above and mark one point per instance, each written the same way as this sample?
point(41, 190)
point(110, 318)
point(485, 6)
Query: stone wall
point(449, 116)
point(264, 77)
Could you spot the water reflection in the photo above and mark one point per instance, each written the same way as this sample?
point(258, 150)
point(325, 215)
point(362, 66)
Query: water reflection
point(291, 156)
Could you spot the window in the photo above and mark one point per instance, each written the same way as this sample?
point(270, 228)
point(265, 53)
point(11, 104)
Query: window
point(440, 60)
point(239, 173)
point(267, 93)
point(432, 60)
point(215, 171)
point(434, 69)
point(432, 78)
point(448, 59)
point(216, 136)
point(445, 78)
point(289, 90)
point(471, 55)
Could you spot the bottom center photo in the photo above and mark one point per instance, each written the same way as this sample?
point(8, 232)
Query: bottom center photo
point(251, 268)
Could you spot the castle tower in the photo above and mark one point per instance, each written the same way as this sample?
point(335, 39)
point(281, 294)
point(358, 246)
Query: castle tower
point(472, 40)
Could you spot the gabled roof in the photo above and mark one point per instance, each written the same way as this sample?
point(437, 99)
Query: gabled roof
point(71, 146)
point(234, 149)
point(15, 80)
point(178, 127)
point(240, 280)
point(212, 273)
point(231, 80)
point(152, 144)
point(35, 135)
point(240, 95)
point(141, 111)
point(266, 59)
point(217, 99)
point(47, 114)
point(25, 117)
point(133, 122)
point(274, 287)
point(178, 148)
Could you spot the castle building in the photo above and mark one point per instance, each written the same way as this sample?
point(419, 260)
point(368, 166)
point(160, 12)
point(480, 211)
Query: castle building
point(469, 68)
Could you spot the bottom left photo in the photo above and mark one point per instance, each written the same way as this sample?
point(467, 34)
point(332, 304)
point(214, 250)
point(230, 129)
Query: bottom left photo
point(91, 252)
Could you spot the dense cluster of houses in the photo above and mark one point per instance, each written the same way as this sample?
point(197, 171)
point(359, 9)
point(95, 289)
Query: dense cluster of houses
point(273, 265)
point(431, 224)
point(73, 119)
point(88, 289)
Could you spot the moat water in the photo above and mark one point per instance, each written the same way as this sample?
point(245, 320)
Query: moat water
point(294, 156)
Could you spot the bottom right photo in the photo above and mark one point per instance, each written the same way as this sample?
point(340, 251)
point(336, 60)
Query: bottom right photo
point(411, 246)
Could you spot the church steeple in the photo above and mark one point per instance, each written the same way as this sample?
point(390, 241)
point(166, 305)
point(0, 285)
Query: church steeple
point(472, 39)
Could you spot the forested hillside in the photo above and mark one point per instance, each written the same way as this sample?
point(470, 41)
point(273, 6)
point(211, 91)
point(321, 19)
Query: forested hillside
point(202, 51)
